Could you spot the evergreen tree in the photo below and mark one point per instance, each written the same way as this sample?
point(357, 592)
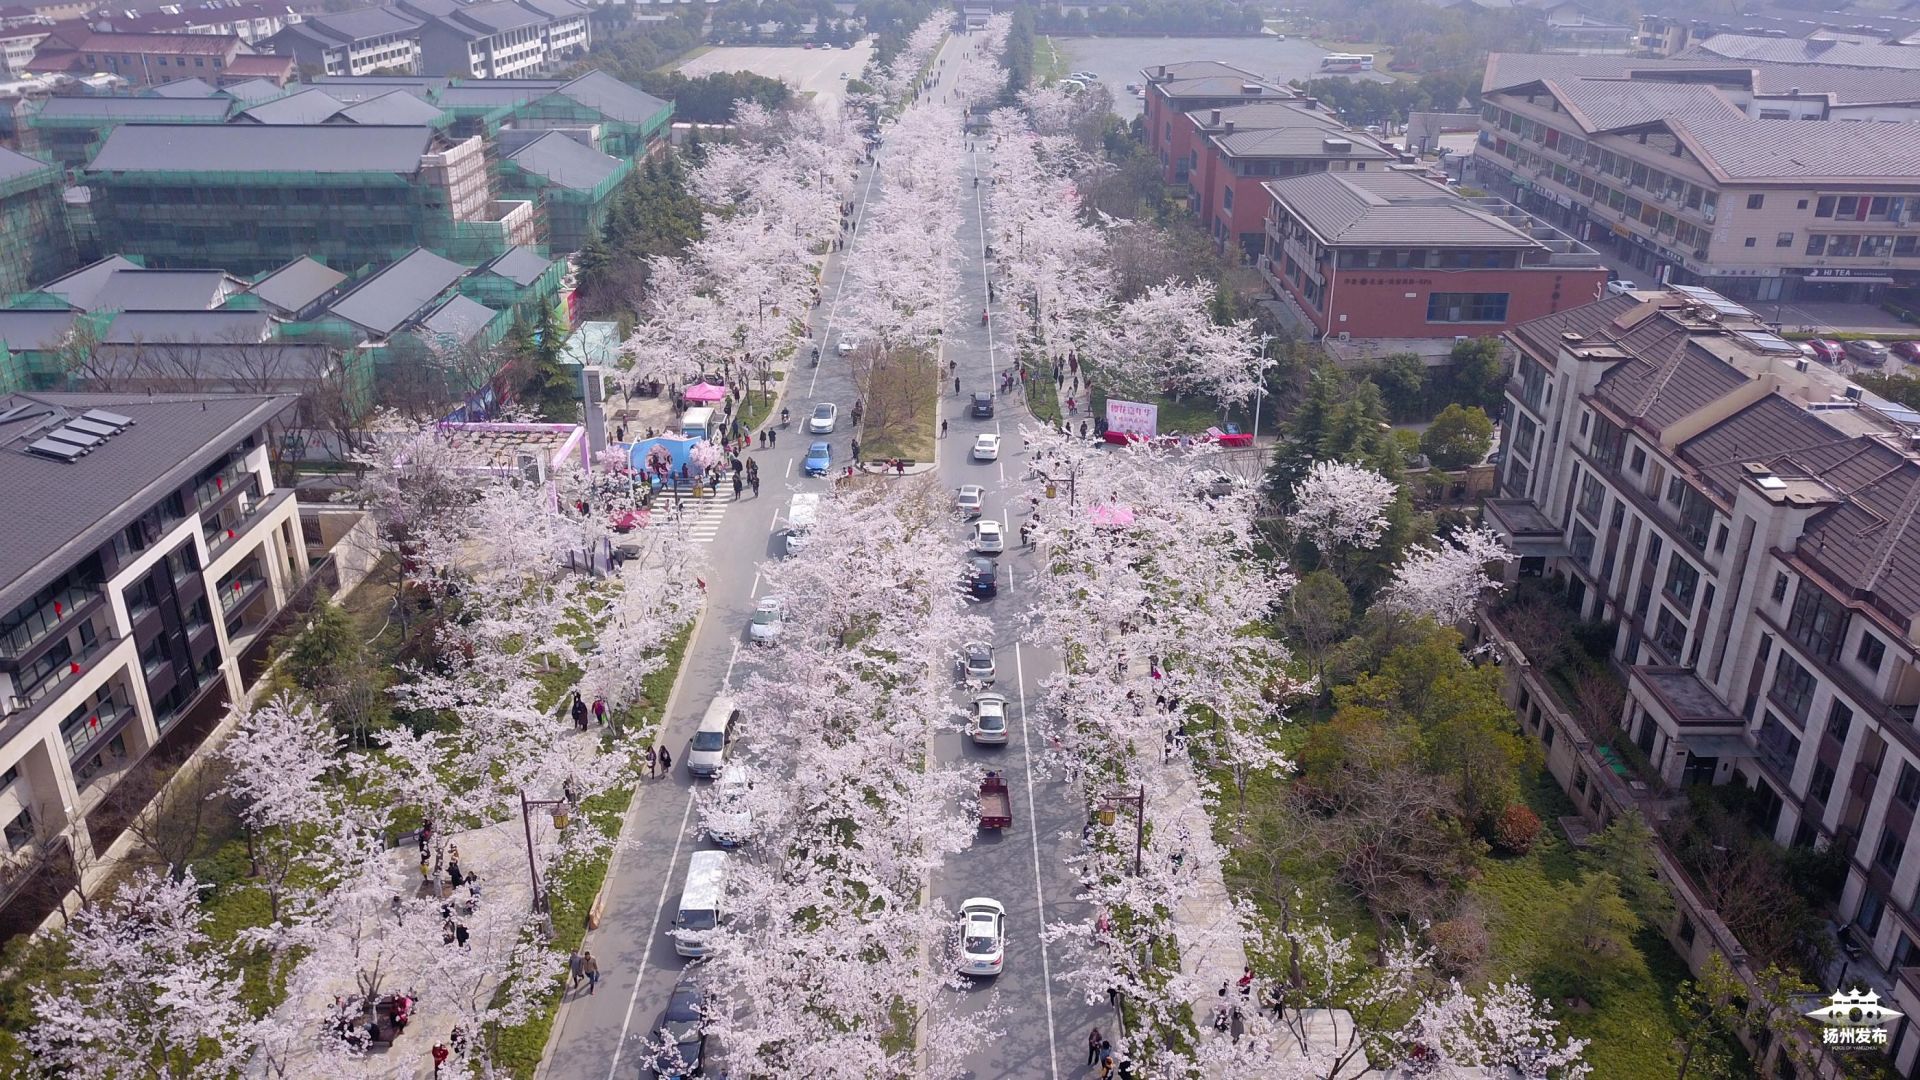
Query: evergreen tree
point(548, 386)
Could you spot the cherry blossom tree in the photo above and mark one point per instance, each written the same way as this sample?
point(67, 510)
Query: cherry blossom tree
point(1445, 579)
point(1341, 506)
point(278, 757)
point(1166, 340)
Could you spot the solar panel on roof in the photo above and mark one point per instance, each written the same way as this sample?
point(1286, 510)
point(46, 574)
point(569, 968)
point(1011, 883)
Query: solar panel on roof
point(77, 438)
point(91, 428)
point(58, 451)
point(102, 416)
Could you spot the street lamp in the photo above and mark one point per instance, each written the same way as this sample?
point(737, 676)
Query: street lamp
point(526, 820)
point(1070, 480)
point(1260, 391)
point(1137, 800)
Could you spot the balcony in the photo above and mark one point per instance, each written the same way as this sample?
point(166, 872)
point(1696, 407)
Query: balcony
point(21, 708)
point(58, 613)
point(236, 593)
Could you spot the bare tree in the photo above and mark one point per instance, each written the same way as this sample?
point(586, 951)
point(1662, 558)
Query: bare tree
point(173, 823)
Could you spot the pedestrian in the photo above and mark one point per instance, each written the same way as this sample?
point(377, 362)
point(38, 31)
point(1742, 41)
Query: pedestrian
point(453, 873)
point(754, 480)
point(579, 711)
point(856, 451)
point(1072, 405)
point(956, 386)
point(653, 760)
point(1246, 984)
point(1059, 377)
point(900, 466)
point(1272, 1000)
point(460, 934)
point(1106, 1063)
point(1093, 1046)
point(1083, 429)
point(599, 709)
point(592, 967)
point(943, 429)
point(426, 836)
point(666, 762)
point(773, 439)
point(576, 967)
point(737, 486)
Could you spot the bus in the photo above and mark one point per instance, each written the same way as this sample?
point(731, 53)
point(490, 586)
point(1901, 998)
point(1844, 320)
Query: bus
point(1347, 62)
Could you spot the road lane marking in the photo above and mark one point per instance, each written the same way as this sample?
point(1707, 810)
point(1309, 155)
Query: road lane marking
point(1033, 841)
point(640, 974)
point(833, 309)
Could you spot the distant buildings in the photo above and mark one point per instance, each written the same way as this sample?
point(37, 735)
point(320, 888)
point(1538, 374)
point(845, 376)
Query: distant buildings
point(35, 242)
point(149, 59)
point(358, 42)
point(1176, 92)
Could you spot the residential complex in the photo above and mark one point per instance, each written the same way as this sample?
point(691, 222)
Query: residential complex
point(148, 59)
point(144, 550)
point(1175, 91)
point(1746, 521)
point(1763, 181)
point(359, 42)
point(1393, 254)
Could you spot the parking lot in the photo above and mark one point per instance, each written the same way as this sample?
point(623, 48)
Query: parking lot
point(1119, 61)
point(810, 71)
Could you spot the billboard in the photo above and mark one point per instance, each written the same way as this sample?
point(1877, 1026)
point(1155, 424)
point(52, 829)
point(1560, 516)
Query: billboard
point(1133, 418)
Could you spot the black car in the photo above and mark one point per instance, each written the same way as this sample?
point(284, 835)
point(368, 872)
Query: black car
point(982, 577)
point(982, 404)
point(683, 1032)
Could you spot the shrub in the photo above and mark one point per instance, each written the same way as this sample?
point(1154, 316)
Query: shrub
point(1460, 944)
point(1515, 828)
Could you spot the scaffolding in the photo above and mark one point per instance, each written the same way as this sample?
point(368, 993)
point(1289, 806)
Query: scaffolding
point(35, 245)
point(569, 217)
point(627, 139)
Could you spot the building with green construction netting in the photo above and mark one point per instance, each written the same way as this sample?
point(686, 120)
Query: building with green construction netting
point(34, 242)
point(572, 185)
point(71, 129)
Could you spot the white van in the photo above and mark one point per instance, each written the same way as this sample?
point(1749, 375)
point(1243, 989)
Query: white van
point(697, 423)
point(700, 901)
point(802, 512)
point(725, 813)
point(713, 739)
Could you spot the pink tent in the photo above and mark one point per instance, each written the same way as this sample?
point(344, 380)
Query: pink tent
point(1111, 516)
point(705, 392)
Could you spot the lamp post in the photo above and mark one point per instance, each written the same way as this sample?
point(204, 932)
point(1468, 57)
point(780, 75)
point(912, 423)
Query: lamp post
point(533, 866)
point(1260, 392)
point(1137, 800)
point(1069, 480)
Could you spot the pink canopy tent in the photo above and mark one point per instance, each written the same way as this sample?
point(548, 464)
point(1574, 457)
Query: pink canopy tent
point(1111, 516)
point(705, 392)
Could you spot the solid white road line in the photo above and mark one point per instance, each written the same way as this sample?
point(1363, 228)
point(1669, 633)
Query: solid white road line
point(833, 308)
point(640, 975)
point(1033, 841)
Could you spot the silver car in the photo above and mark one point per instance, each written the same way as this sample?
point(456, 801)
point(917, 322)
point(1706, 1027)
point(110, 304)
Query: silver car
point(988, 725)
point(976, 662)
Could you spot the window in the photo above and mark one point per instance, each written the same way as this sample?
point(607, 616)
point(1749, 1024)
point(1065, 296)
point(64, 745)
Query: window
point(1887, 856)
point(1801, 205)
point(1682, 579)
point(1755, 202)
point(1669, 633)
point(1751, 241)
point(1839, 722)
point(1226, 198)
point(1820, 786)
point(1871, 651)
point(1547, 734)
point(1816, 243)
point(1592, 497)
point(20, 831)
point(1638, 462)
point(1583, 543)
point(1825, 206)
point(1676, 488)
point(1907, 789)
point(1785, 239)
point(1779, 587)
point(1467, 307)
point(1818, 622)
point(1793, 687)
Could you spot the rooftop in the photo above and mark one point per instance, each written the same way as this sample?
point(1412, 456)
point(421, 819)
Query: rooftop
point(304, 107)
point(562, 159)
point(393, 108)
point(1804, 51)
point(189, 328)
point(1391, 208)
point(1212, 79)
point(521, 265)
point(58, 512)
point(1303, 140)
point(15, 165)
point(268, 148)
point(298, 284)
point(139, 289)
point(360, 24)
point(612, 98)
point(459, 320)
point(211, 110)
point(24, 329)
point(385, 301)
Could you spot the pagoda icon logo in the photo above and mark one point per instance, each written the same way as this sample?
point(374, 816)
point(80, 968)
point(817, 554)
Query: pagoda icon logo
point(1855, 1018)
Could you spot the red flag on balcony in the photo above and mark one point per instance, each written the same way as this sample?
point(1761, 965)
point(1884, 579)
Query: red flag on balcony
point(236, 586)
point(74, 667)
point(219, 483)
point(56, 609)
point(229, 534)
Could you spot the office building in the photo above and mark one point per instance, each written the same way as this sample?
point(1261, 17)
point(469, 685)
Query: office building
point(1174, 92)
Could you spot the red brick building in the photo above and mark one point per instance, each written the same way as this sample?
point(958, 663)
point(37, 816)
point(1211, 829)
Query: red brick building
point(156, 59)
point(1392, 254)
point(1238, 148)
point(1175, 90)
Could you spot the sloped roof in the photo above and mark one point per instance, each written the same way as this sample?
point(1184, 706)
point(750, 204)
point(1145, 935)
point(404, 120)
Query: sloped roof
point(254, 90)
point(362, 23)
point(1305, 140)
point(151, 109)
point(1740, 148)
point(559, 158)
point(81, 286)
point(461, 318)
point(185, 88)
point(297, 284)
point(1766, 431)
point(15, 165)
point(189, 328)
point(494, 17)
point(1266, 113)
point(393, 107)
point(481, 95)
point(384, 302)
point(556, 9)
point(160, 290)
point(1804, 51)
point(24, 329)
point(261, 64)
point(1609, 105)
point(247, 148)
point(357, 88)
point(612, 98)
point(521, 265)
point(305, 107)
point(1590, 321)
point(1391, 208)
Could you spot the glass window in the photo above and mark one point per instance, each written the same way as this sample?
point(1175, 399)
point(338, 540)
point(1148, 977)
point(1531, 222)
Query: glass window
point(1755, 202)
point(20, 831)
point(1784, 239)
point(1871, 651)
point(1891, 850)
point(1638, 462)
point(1669, 633)
point(1816, 243)
point(1682, 579)
point(1824, 208)
point(1793, 687)
point(1779, 586)
point(1467, 307)
point(1818, 622)
point(1906, 790)
point(1839, 722)
point(1820, 786)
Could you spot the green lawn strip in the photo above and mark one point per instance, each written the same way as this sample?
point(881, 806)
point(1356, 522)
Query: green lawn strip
point(1189, 416)
point(1042, 401)
point(902, 407)
point(518, 1048)
point(1049, 62)
point(754, 410)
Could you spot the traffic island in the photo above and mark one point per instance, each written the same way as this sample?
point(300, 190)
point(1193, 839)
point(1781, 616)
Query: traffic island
point(900, 393)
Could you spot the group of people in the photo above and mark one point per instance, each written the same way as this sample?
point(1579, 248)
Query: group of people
point(1100, 1052)
point(582, 966)
point(659, 757)
point(580, 710)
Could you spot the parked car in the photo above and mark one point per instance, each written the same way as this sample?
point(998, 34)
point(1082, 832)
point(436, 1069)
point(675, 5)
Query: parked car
point(988, 539)
point(986, 447)
point(1621, 286)
point(848, 343)
point(970, 499)
point(1088, 76)
point(1907, 350)
point(976, 662)
point(988, 724)
point(768, 616)
point(727, 814)
point(983, 933)
point(982, 405)
point(823, 418)
point(1868, 353)
point(683, 1030)
point(982, 577)
point(1827, 352)
point(819, 459)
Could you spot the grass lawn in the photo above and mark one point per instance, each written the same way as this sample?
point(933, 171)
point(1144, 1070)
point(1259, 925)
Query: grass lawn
point(1189, 416)
point(1042, 401)
point(756, 406)
point(1049, 63)
point(902, 391)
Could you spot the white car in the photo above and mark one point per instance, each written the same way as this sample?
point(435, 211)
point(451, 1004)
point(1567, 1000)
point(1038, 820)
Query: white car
point(822, 420)
point(1087, 75)
point(986, 447)
point(976, 662)
point(725, 811)
point(970, 499)
point(768, 617)
point(847, 345)
point(988, 539)
point(989, 721)
point(1621, 286)
point(983, 936)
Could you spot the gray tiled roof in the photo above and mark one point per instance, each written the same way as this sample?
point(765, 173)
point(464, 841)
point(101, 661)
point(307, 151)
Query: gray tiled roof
point(460, 318)
point(1846, 85)
point(24, 329)
point(567, 163)
point(81, 286)
point(1767, 431)
point(384, 302)
point(253, 91)
point(1609, 105)
point(1804, 51)
point(305, 107)
point(1267, 113)
point(1738, 148)
point(189, 327)
point(612, 98)
point(521, 265)
point(481, 95)
point(59, 512)
point(160, 290)
point(394, 107)
point(282, 148)
point(1308, 140)
point(1590, 321)
point(210, 109)
point(14, 165)
point(1391, 208)
point(297, 284)
point(494, 17)
point(362, 23)
point(357, 88)
point(556, 9)
point(1870, 542)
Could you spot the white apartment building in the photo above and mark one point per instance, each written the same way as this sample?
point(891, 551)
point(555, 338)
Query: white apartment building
point(1747, 521)
point(143, 552)
point(358, 42)
point(498, 39)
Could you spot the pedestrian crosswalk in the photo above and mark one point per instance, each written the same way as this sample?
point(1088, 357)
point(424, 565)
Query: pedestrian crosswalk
point(697, 516)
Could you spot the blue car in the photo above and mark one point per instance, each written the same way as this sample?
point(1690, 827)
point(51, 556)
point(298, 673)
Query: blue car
point(819, 459)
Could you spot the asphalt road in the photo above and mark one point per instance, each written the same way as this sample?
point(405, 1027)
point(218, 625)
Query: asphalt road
point(601, 1036)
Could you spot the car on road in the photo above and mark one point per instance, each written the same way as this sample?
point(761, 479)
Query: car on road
point(1214, 484)
point(1868, 353)
point(848, 343)
point(819, 459)
point(989, 538)
point(1806, 350)
point(1621, 286)
point(1827, 352)
point(768, 618)
point(988, 724)
point(1086, 75)
point(982, 406)
point(725, 812)
point(986, 447)
point(969, 499)
point(1907, 350)
point(976, 662)
point(982, 578)
point(983, 936)
point(680, 1042)
point(823, 418)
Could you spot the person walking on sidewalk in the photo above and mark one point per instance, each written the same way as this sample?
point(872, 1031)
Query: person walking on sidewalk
point(1093, 1046)
point(956, 386)
point(579, 711)
point(943, 429)
point(653, 760)
point(666, 762)
point(576, 967)
point(592, 969)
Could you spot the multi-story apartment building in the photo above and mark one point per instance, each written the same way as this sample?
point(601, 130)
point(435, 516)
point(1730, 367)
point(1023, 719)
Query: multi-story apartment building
point(1750, 524)
point(250, 22)
point(1175, 91)
point(1714, 173)
point(1240, 147)
point(144, 550)
point(156, 59)
point(497, 39)
point(1392, 254)
point(358, 42)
